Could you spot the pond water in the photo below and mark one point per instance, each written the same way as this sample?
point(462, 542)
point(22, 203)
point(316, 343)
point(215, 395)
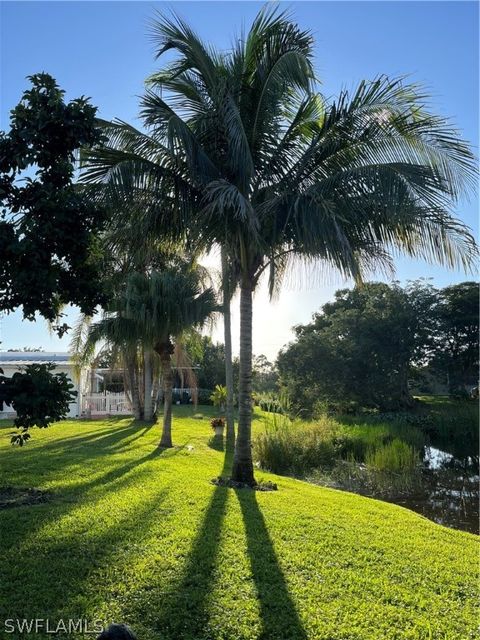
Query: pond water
point(443, 488)
point(449, 491)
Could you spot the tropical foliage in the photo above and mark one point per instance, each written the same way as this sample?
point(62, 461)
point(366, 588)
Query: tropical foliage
point(48, 226)
point(241, 150)
point(367, 348)
point(219, 396)
point(150, 315)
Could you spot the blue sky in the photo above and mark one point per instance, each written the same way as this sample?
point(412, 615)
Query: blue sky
point(102, 50)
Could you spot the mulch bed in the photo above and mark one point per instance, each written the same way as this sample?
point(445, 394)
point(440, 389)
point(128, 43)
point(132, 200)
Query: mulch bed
point(260, 486)
point(19, 496)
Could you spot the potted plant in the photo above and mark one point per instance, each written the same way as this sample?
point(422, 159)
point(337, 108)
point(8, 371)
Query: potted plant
point(218, 425)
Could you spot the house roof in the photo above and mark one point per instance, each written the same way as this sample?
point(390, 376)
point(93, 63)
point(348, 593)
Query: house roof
point(33, 357)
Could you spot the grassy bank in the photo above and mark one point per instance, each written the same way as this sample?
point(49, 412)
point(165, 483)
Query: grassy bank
point(137, 535)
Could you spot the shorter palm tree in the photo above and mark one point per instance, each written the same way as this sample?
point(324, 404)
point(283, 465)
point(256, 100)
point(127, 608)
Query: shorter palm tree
point(219, 397)
point(165, 305)
point(152, 313)
point(120, 334)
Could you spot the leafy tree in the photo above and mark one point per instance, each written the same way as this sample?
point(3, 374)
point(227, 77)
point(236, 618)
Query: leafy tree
point(359, 351)
point(211, 361)
point(48, 228)
point(47, 223)
point(264, 374)
point(242, 152)
point(456, 355)
point(38, 396)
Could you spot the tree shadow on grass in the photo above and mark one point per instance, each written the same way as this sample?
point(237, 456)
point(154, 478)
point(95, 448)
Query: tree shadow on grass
point(279, 616)
point(110, 440)
point(71, 498)
point(57, 580)
point(184, 607)
point(217, 443)
point(67, 452)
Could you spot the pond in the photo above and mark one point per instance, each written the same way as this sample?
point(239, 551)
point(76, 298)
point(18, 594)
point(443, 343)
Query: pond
point(449, 493)
point(443, 488)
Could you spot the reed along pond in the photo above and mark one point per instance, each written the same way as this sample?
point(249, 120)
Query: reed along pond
point(442, 485)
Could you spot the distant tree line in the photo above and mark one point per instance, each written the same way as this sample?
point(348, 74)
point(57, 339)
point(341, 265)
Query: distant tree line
point(374, 344)
point(209, 357)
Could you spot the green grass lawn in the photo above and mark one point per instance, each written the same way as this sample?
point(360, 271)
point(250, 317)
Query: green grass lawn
point(136, 535)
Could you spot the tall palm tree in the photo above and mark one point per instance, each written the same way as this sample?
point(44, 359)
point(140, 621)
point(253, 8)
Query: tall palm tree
point(243, 152)
point(228, 288)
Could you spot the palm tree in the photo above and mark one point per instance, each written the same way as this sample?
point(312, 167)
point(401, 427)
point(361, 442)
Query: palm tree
point(165, 305)
point(244, 153)
point(228, 287)
point(152, 313)
point(123, 336)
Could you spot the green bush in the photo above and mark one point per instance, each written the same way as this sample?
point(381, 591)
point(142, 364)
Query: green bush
point(294, 448)
point(395, 456)
point(297, 448)
point(268, 402)
point(203, 396)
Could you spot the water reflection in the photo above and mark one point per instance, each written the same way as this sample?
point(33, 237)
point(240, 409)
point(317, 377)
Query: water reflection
point(443, 488)
point(449, 491)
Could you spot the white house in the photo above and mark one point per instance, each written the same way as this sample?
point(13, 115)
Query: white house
point(12, 361)
point(99, 391)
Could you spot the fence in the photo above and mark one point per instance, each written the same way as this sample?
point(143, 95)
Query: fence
point(106, 403)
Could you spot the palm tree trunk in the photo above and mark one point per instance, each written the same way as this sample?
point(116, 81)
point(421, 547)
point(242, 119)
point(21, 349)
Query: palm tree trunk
point(139, 384)
point(167, 376)
point(227, 327)
point(242, 470)
point(155, 392)
point(132, 380)
point(147, 386)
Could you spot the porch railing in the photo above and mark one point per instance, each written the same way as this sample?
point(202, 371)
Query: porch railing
point(106, 403)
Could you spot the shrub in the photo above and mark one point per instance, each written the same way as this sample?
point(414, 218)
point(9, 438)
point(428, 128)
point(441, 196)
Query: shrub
point(396, 456)
point(204, 396)
point(268, 402)
point(279, 403)
point(298, 448)
point(294, 448)
point(219, 396)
